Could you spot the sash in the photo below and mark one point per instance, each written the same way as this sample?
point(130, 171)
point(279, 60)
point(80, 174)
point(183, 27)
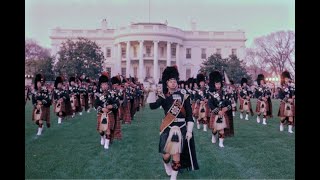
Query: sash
point(172, 114)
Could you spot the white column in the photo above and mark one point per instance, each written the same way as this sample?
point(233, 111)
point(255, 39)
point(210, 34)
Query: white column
point(140, 77)
point(128, 60)
point(168, 53)
point(118, 63)
point(177, 56)
point(155, 61)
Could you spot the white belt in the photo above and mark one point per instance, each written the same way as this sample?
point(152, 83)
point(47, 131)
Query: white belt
point(178, 126)
point(180, 120)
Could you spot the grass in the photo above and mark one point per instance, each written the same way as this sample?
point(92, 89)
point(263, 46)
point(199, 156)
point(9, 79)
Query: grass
point(72, 150)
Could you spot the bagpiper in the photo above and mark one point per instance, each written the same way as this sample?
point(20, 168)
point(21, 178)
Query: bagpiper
point(220, 107)
point(264, 104)
point(201, 109)
point(176, 137)
point(107, 104)
point(60, 99)
point(245, 95)
point(41, 101)
point(287, 107)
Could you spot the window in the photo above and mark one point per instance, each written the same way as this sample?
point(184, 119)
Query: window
point(148, 50)
point(188, 73)
point(234, 52)
point(108, 52)
point(188, 53)
point(203, 53)
point(135, 71)
point(162, 52)
point(173, 51)
point(123, 53)
point(135, 51)
point(148, 72)
point(108, 69)
point(123, 72)
point(218, 51)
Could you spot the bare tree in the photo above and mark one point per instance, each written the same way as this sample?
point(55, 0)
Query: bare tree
point(34, 52)
point(277, 50)
point(254, 63)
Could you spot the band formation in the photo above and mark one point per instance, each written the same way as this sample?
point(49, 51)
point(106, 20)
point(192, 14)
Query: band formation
point(210, 103)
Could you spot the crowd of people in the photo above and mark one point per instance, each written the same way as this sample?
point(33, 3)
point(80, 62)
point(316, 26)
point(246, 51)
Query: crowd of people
point(207, 102)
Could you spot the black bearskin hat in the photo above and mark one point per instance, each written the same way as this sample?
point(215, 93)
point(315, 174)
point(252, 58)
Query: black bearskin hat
point(169, 73)
point(244, 80)
point(200, 77)
point(115, 80)
point(72, 79)
point(103, 79)
point(284, 74)
point(214, 77)
point(182, 82)
point(188, 82)
point(259, 78)
point(133, 80)
point(39, 77)
point(57, 81)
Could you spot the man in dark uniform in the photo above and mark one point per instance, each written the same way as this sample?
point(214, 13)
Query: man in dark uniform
point(107, 104)
point(264, 104)
point(287, 106)
point(42, 102)
point(221, 109)
point(60, 99)
point(176, 137)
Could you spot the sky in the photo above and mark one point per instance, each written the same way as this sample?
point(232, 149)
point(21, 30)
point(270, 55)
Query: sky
point(255, 17)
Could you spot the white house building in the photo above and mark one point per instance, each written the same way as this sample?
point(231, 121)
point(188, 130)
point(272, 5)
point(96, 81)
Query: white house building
point(143, 50)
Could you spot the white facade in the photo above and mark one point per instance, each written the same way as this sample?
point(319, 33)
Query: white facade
point(143, 50)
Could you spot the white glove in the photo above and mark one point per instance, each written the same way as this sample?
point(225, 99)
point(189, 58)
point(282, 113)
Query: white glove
point(189, 130)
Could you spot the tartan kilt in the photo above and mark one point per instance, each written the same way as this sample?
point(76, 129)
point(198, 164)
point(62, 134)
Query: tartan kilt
point(126, 114)
point(218, 126)
point(192, 105)
point(286, 113)
point(268, 107)
point(207, 110)
point(117, 129)
point(243, 107)
point(45, 115)
point(62, 109)
point(68, 107)
point(195, 112)
point(110, 118)
point(91, 100)
point(120, 112)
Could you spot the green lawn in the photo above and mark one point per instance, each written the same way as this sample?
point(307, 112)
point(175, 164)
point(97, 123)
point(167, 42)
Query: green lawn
point(72, 150)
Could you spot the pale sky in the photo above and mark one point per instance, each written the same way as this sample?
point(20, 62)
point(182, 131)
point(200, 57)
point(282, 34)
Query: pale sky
point(255, 17)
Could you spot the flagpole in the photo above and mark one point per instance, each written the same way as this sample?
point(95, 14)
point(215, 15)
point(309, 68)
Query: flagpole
point(149, 11)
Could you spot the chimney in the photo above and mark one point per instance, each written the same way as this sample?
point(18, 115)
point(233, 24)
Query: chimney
point(104, 24)
point(193, 25)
